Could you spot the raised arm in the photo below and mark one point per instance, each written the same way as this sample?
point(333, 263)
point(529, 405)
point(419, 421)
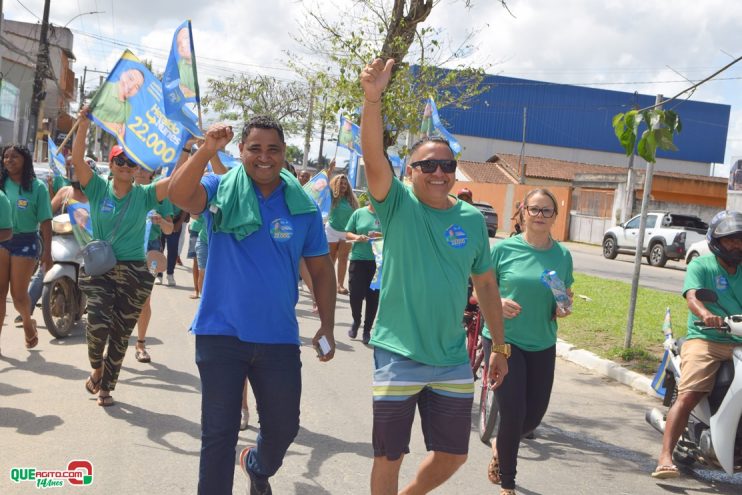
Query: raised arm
point(82, 169)
point(374, 80)
point(185, 188)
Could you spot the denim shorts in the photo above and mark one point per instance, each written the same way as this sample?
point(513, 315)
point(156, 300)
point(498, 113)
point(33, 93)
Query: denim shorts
point(23, 245)
point(192, 245)
point(202, 253)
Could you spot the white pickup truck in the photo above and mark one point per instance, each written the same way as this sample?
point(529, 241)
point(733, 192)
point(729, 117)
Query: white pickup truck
point(667, 236)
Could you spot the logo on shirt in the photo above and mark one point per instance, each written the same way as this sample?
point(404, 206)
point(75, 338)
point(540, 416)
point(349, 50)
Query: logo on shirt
point(456, 237)
point(107, 205)
point(22, 203)
point(721, 283)
point(281, 230)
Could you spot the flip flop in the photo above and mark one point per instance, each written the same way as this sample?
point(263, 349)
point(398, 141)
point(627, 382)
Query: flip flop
point(92, 386)
point(142, 356)
point(34, 340)
point(106, 401)
point(665, 471)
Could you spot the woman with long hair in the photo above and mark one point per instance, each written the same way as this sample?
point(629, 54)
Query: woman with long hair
point(31, 213)
point(530, 313)
point(344, 203)
point(118, 210)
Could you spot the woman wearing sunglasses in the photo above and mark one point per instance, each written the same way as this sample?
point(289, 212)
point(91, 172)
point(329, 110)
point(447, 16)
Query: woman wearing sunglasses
point(344, 203)
point(530, 313)
point(118, 209)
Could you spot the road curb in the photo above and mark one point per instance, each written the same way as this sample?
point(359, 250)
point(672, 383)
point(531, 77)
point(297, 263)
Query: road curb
point(605, 367)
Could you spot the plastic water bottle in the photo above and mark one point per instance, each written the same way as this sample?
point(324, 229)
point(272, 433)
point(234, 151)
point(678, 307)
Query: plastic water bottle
point(551, 280)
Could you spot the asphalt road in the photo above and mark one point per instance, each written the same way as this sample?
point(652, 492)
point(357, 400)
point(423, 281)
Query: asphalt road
point(593, 439)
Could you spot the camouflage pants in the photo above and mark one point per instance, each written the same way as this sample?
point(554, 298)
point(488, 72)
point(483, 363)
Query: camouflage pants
point(115, 300)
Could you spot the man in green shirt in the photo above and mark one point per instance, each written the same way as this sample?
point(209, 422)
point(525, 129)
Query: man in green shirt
point(432, 243)
point(705, 348)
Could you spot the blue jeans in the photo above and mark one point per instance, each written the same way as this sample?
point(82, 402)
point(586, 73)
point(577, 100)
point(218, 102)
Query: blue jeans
point(274, 371)
point(36, 287)
point(171, 243)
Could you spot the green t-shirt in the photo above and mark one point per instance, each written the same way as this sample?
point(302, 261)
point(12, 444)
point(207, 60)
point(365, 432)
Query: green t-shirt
point(165, 209)
point(6, 214)
point(104, 206)
point(705, 272)
point(197, 225)
point(429, 255)
point(108, 107)
point(340, 215)
point(29, 208)
point(518, 268)
point(361, 222)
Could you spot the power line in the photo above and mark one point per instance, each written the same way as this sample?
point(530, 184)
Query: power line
point(28, 10)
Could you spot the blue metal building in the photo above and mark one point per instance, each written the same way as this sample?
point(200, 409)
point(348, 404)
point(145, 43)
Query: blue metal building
point(568, 116)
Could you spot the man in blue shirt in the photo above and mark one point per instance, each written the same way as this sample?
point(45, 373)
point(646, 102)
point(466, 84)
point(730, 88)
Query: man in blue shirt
point(246, 323)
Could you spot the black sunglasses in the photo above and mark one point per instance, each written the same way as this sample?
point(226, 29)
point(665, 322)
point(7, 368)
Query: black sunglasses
point(545, 212)
point(123, 162)
point(430, 166)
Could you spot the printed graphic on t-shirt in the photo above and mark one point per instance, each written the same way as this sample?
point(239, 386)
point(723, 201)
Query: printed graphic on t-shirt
point(107, 205)
point(22, 203)
point(281, 230)
point(456, 237)
point(722, 283)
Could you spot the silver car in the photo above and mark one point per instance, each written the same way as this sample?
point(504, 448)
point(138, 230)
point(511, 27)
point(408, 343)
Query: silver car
point(697, 249)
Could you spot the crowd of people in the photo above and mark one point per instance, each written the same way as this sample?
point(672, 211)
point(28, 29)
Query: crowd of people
point(255, 226)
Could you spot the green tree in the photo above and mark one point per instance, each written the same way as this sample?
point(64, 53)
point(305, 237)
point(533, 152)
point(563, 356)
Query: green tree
point(294, 155)
point(237, 98)
point(390, 29)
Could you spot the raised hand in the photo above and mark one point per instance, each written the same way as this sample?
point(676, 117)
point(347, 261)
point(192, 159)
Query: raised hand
point(375, 78)
point(218, 136)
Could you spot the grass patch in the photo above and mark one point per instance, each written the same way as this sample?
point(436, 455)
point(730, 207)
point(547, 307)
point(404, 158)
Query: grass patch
point(599, 325)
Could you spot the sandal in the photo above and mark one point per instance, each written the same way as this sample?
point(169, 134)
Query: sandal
point(507, 491)
point(106, 401)
point(142, 355)
point(92, 386)
point(343, 291)
point(665, 471)
point(493, 471)
point(34, 340)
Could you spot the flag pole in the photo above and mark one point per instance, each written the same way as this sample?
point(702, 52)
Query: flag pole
point(69, 134)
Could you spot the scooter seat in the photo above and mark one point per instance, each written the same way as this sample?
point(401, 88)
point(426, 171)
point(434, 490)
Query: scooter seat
point(724, 378)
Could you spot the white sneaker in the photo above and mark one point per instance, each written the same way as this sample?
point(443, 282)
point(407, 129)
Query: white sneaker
point(244, 419)
point(158, 280)
point(171, 280)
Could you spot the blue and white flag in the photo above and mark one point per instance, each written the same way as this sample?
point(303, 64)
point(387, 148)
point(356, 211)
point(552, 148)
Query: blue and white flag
point(180, 80)
point(82, 224)
point(431, 124)
point(353, 169)
point(228, 160)
point(318, 188)
point(377, 246)
point(130, 106)
point(349, 136)
point(56, 160)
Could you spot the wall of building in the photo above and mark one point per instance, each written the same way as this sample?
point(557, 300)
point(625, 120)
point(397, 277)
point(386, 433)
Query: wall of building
point(480, 149)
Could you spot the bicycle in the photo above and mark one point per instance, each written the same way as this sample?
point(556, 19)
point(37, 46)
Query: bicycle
point(489, 418)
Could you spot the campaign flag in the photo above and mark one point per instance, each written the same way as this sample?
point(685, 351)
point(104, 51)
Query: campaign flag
point(658, 383)
point(353, 169)
point(129, 105)
point(228, 160)
point(56, 160)
point(180, 80)
point(432, 125)
point(318, 188)
point(377, 246)
point(349, 136)
point(82, 224)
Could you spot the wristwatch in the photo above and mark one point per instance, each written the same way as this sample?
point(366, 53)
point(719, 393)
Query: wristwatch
point(503, 349)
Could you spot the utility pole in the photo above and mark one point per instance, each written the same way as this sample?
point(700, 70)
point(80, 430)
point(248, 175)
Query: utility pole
point(322, 132)
point(82, 86)
point(648, 176)
point(308, 133)
point(42, 68)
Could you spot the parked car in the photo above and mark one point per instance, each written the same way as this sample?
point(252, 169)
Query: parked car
point(697, 249)
point(666, 237)
point(490, 217)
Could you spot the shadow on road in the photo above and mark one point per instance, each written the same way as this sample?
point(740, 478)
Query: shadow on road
point(37, 364)
point(159, 376)
point(26, 423)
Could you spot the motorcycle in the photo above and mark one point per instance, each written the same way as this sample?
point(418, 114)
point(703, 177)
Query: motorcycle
point(713, 436)
point(62, 301)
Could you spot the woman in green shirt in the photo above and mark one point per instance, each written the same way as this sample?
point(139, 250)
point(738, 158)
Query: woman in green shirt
point(118, 210)
point(344, 203)
point(530, 313)
point(31, 213)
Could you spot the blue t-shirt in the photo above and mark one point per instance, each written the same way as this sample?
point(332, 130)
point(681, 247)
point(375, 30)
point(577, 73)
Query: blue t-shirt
point(250, 290)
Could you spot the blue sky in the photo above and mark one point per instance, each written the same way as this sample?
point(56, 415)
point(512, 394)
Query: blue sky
point(627, 45)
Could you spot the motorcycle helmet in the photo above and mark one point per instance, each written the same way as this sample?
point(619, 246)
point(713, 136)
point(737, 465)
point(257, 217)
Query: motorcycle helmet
point(726, 224)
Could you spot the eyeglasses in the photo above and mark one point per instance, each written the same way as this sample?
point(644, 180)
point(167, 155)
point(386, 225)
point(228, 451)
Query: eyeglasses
point(430, 166)
point(123, 162)
point(545, 212)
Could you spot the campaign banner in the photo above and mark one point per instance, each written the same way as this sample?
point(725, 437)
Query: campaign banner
point(377, 246)
point(353, 169)
point(56, 160)
point(129, 105)
point(82, 224)
point(180, 80)
point(318, 188)
point(228, 160)
point(432, 125)
point(349, 136)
